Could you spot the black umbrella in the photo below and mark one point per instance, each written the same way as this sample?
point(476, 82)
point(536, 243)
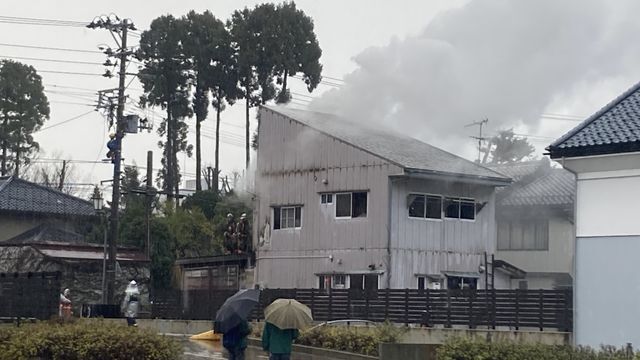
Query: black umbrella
point(236, 309)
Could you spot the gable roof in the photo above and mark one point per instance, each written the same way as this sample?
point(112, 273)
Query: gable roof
point(21, 196)
point(613, 129)
point(45, 234)
point(404, 151)
point(536, 183)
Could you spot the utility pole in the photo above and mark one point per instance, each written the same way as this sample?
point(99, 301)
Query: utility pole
point(479, 137)
point(115, 26)
point(149, 195)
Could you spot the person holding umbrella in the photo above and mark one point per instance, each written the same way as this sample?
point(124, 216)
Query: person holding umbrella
point(231, 321)
point(283, 319)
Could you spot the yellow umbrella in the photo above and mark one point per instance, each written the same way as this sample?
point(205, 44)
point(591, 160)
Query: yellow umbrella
point(288, 314)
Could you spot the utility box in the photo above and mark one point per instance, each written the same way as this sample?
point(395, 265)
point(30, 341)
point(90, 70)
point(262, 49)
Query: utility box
point(131, 124)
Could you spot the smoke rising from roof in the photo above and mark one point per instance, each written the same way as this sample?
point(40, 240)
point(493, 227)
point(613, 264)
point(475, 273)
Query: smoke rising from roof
point(504, 60)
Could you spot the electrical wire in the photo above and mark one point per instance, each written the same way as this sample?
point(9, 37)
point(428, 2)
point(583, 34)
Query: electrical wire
point(65, 121)
point(67, 72)
point(40, 21)
point(51, 48)
point(51, 60)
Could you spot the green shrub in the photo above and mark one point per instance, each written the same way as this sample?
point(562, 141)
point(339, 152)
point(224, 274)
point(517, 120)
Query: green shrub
point(86, 340)
point(470, 349)
point(361, 340)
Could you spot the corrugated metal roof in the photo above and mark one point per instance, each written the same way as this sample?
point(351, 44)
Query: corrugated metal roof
point(517, 171)
point(17, 195)
point(89, 254)
point(44, 234)
point(613, 129)
point(387, 144)
point(555, 188)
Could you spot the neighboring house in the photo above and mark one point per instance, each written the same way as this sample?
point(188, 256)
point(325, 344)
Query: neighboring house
point(604, 153)
point(42, 229)
point(343, 205)
point(536, 223)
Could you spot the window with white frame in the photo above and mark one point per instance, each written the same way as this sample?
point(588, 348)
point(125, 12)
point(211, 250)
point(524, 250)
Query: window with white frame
point(339, 281)
point(425, 206)
point(287, 217)
point(459, 208)
point(351, 204)
point(326, 199)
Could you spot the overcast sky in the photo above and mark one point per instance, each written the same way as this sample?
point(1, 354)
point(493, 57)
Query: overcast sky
point(423, 67)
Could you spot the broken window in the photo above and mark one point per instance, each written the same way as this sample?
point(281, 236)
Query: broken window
point(287, 217)
point(351, 205)
point(425, 206)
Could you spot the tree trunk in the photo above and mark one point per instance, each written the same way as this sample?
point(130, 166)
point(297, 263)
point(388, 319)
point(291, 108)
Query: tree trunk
point(16, 170)
point(198, 156)
point(168, 150)
point(3, 167)
point(248, 140)
point(63, 175)
point(216, 171)
point(284, 82)
point(176, 170)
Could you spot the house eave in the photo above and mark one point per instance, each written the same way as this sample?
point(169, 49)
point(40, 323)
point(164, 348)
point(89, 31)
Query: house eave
point(593, 150)
point(438, 175)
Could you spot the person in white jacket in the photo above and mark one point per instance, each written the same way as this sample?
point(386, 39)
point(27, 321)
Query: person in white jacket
point(131, 303)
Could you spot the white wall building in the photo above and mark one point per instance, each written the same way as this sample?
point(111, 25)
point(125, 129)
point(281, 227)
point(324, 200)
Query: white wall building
point(604, 153)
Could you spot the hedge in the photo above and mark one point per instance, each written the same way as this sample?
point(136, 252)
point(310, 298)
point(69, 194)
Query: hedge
point(470, 349)
point(86, 340)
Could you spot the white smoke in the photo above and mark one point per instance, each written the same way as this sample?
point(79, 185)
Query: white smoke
point(506, 60)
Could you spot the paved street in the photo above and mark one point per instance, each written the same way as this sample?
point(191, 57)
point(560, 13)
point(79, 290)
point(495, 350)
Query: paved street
point(197, 350)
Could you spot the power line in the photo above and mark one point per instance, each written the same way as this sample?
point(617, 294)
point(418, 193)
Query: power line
point(51, 60)
point(51, 48)
point(40, 21)
point(71, 87)
point(68, 72)
point(70, 103)
point(65, 121)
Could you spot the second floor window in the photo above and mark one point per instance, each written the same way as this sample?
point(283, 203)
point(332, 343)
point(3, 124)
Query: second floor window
point(287, 217)
point(425, 206)
point(460, 208)
point(351, 205)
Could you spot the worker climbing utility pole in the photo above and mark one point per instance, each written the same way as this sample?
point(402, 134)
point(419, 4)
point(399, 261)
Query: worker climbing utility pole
point(120, 28)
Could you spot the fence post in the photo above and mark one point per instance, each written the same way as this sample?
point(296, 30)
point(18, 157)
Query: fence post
point(493, 307)
point(517, 309)
point(541, 309)
point(427, 319)
point(349, 312)
point(568, 310)
point(386, 305)
point(313, 301)
point(330, 316)
point(472, 295)
point(448, 325)
point(366, 310)
point(406, 306)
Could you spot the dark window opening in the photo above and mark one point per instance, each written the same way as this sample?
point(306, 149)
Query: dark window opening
point(356, 282)
point(452, 208)
point(421, 283)
point(359, 208)
point(416, 206)
point(343, 205)
point(351, 205)
point(467, 209)
point(434, 207)
point(326, 199)
point(461, 282)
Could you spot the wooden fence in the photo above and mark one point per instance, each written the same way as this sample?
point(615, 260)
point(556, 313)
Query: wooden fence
point(541, 309)
point(29, 295)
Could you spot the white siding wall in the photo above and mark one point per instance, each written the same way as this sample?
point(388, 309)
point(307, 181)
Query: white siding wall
point(606, 203)
point(426, 247)
point(607, 287)
point(293, 160)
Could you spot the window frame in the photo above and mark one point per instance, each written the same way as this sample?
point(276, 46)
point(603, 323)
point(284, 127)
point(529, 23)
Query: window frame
point(326, 199)
point(350, 193)
point(280, 217)
point(460, 200)
point(426, 196)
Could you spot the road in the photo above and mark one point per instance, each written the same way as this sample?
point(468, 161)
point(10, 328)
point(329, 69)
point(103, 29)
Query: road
point(198, 350)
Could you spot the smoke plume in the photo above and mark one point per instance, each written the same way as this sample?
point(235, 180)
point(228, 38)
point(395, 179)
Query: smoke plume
point(500, 59)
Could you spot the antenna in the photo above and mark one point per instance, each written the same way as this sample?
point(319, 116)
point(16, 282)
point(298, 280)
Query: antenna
point(479, 137)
